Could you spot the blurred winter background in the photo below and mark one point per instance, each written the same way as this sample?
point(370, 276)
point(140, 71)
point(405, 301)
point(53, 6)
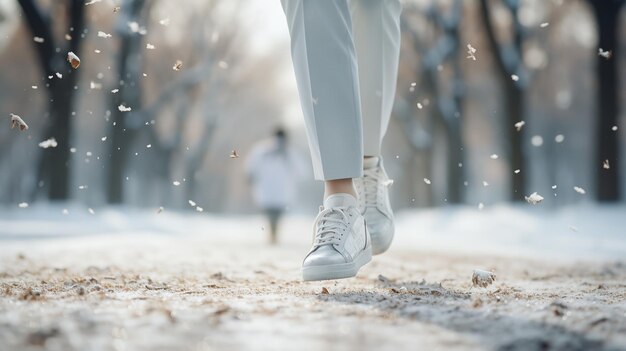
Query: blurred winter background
point(497, 99)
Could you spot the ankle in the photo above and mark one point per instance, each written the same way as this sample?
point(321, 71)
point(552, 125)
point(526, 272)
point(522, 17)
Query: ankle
point(338, 186)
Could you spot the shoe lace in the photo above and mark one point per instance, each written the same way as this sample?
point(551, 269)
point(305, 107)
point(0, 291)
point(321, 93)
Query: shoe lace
point(370, 186)
point(331, 224)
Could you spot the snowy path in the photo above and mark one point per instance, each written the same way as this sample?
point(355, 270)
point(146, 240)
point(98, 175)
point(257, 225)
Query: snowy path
point(140, 281)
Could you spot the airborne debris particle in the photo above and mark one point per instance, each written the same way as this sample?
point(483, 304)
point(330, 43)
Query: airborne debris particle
point(234, 154)
point(160, 209)
point(73, 60)
point(178, 65)
point(483, 278)
point(17, 121)
point(324, 291)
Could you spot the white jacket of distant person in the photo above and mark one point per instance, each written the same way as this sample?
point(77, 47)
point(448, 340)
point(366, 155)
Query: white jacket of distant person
point(275, 168)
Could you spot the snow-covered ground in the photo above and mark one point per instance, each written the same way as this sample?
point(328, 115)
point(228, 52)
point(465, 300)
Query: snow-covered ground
point(127, 279)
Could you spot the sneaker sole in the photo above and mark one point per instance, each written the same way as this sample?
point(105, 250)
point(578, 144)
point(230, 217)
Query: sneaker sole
point(378, 248)
point(338, 271)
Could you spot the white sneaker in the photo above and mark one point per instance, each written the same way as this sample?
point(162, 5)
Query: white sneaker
point(373, 203)
point(341, 243)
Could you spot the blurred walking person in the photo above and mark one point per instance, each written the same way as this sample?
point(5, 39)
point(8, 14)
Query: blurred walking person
point(274, 168)
point(345, 56)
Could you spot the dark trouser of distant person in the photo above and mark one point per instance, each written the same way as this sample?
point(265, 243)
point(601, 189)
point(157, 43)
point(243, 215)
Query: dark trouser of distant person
point(274, 215)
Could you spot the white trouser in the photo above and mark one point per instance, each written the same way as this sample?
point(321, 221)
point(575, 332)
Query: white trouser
point(346, 105)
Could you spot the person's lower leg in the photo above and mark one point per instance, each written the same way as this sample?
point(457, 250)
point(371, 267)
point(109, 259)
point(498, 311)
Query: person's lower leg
point(338, 186)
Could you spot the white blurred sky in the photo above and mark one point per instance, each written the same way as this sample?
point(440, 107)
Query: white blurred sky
point(268, 29)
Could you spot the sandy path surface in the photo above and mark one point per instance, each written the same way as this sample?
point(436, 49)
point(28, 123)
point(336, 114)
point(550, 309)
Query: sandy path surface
point(154, 291)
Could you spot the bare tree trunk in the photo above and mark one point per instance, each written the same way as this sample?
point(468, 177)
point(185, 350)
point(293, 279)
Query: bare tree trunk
point(122, 130)
point(54, 164)
point(509, 62)
point(607, 14)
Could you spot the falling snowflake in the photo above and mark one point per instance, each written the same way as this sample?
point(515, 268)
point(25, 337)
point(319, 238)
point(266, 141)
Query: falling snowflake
point(485, 183)
point(114, 91)
point(419, 105)
point(59, 75)
point(149, 46)
point(606, 164)
point(517, 171)
point(38, 40)
point(514, 77)
point(199, 209)
point(103, 138)
point(494, 157)
point(102, 34)
point(18, 122)
point(471, 51)
point(223, 64)
point(48, 143)
point(92, 2)
point(176, 183)
point(554, 186)
point(165, 22)
point(534, 198)
point(537, 140)
point(234, 154)
point(160, 209)
point(178, 65)
point(544, 24)
point(91, 211)
point(136, 28)
point(427, 181)
point(22, 205)
point(606, 54)
point(123, 108)
point(481, 206)
point(559, 138)
point(580, 190)
point(519, 125)
point(192, 203)
point(614, 128)
point(95, 86)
